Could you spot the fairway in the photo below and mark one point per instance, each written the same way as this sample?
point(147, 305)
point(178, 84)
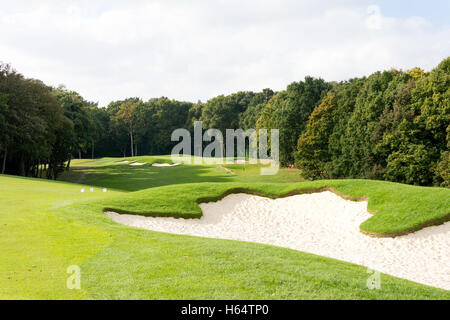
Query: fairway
point(47, 227)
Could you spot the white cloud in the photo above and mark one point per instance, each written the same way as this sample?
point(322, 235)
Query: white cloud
point(374, 20)
point(193, 50)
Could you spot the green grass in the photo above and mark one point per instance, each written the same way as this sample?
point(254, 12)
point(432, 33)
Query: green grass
point(108, 172)
point(37, 245)
point(46, 227)
point(398, 207)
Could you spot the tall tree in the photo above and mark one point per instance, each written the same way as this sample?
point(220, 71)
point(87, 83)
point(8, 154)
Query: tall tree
point(3, 131)
point(360, 139)
point(313, 153)
point(32, 118)
point(77, 110)
point(289, 111)
point(223, 112)
point(420, 144)
point(250, 116)
point(128, 115)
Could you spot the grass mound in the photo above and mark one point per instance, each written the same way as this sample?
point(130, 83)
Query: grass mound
point(396, 206)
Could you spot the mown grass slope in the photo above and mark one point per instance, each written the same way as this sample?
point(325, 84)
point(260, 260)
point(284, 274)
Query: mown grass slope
point(113, 173)
point(37, 245)
point(398, 208)
point(48, 226)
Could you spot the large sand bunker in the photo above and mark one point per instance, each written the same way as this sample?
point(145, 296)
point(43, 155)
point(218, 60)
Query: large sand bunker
point(320, 223)
point(162, 165)
point(137, 164)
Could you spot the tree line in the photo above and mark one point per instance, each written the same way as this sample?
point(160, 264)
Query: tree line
point(392, 125)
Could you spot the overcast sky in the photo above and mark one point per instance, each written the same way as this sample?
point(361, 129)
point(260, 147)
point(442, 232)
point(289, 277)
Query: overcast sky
point(191, 50)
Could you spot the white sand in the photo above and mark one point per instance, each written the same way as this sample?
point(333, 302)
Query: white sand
point(165, 165)
point(321, 223)
point(136, 164)
point(123, 162)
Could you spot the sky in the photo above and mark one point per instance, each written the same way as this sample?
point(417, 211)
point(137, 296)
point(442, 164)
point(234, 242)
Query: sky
point(194, 50)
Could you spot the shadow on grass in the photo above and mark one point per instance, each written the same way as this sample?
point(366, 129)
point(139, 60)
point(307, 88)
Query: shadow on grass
point(128, 178)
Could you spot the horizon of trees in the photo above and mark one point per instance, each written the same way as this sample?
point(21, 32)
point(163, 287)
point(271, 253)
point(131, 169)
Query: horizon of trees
point(391, 125)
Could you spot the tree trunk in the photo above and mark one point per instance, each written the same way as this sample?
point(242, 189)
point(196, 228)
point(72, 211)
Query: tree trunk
point(21, 166)
point(27, 169)
point(4, 160)
point(79, 154)
point(35, 169)
point(132, 143)
point(93, 150)
point(68, 162)
point(136, 150)
point(55, 172)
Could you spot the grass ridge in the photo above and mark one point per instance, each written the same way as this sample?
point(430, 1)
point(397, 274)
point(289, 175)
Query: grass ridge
point(181, 214)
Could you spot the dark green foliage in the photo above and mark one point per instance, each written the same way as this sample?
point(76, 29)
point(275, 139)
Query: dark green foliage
point(443, 169)
point(320, 147)
point(289, 110)
point(194, 114)
point(347, 93)
point(363, 132)
point(419, 143)
point(392, 125)
point(249, 118)
point(160, 117)
point(223, 112)
point(34, 131)
point(78, 111)
point(313, 153)
point(154, 122)
point(3, 111)
point(118, 141)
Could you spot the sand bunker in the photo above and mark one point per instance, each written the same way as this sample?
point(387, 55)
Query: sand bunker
point(165, 165)
point(136, 164)
point(320, 223)
point(123, 162)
